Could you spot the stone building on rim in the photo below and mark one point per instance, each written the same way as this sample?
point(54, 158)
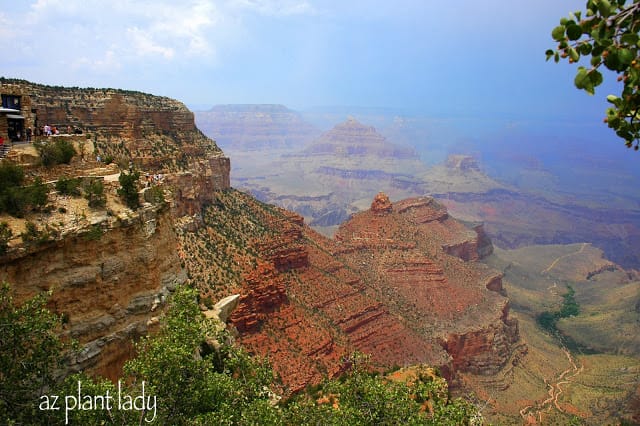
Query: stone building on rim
point(16, 112)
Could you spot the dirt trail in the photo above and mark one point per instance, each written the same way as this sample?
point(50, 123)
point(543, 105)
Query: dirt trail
point(530, 413)
point(555, 262)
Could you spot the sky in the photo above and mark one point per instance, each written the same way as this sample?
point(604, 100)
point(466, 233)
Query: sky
point(462, 57)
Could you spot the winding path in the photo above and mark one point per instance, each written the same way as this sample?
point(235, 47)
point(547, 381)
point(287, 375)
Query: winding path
point(555, 262)
point(531, 412)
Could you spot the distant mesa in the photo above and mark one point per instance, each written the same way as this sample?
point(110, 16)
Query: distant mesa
point(352, 138)
point(261, 127)
point(381, 204)
point(462, 163)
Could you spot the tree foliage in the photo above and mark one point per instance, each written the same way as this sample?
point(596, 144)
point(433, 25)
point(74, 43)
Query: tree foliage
point(607, 33)
point(197, 383)
point(128, 190)
point(94, 193)
point(30, 351)
point(59, 152)
point(15, 197)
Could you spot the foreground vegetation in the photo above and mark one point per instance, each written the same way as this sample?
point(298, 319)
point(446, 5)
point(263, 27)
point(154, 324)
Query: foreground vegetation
point(178, 378)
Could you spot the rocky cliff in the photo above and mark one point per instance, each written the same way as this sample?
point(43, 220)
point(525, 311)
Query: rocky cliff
point(109, 268)
point(109, 285)
point(422, 262)
point(156, 133)
point(336, 174)
point(386, 286)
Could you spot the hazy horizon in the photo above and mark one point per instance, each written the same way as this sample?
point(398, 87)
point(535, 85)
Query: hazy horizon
point(471, 59)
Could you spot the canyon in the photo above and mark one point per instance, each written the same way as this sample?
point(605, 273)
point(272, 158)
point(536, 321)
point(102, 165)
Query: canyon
point(305, 301)
point(403, 280)
point(327, 178)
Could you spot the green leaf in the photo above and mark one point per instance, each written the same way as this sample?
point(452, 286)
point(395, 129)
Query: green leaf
point(558, 33)
point(630, 38)
point(596, 77)
point(549, 54)
point(585, 49)
point(582, 79)
point(605, 8)
point(574, 31)
point(573, 54)
point(597, 49)
point(611, 61)
point(625, 56)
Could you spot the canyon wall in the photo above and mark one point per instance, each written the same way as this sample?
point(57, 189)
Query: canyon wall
point(109, 287)
point(110, 269)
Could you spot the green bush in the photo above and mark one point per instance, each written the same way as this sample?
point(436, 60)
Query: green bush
point(37, 193)
point(94, 193)
point(128, 190)
point(16, 199)
point(59, 152)
point(10, 174)
point(94, 233)
point(30, 354)
point(154, 195)
point(68, 186)
point(33, 235)
point(5, 236)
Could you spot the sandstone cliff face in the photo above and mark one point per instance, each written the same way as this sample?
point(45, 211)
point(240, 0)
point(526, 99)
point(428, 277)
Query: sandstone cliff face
point(109, 289)
point(157, 134)
point(298, 305)
point(112, 286)
point(334, 175)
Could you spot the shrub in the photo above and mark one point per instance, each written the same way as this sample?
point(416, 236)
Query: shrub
point(94, 233)
point(11, 174)
point(33, 235)
point(16, 199)
point(94, 193)
point(59, 152)
point(30, 354)
point(154, 195)
point(128, 190)
point(5, 236)
point(37, 193)
point(68, 186)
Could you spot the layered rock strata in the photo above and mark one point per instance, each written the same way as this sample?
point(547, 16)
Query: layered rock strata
point(432, 282)
point(385, 286)
point(109, 289)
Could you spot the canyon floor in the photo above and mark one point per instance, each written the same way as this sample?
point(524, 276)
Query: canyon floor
point(591, 368)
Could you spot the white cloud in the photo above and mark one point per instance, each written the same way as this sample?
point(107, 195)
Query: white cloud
point(144, 44)
point(132, 31)
point(107, 63)
point(275, 7)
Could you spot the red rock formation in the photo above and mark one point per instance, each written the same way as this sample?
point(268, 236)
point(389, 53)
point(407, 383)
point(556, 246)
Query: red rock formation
point(431, 283)
point(381, 204)
point(257, 128)
point(264, 292)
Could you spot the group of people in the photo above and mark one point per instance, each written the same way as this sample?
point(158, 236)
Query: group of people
point(48, 130)
point(153, 179)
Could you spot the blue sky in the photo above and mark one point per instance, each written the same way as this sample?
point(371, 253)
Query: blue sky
point(466, 57)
